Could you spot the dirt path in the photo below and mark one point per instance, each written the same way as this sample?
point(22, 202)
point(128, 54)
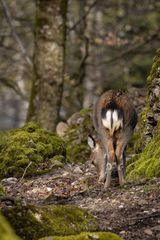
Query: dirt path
point(132, 211)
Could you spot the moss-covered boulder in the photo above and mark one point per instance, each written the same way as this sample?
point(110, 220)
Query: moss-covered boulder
point(146, 164)
point(29, 146)
point(6, 232)
point(87, 236)
point(34, 150)
point(79, 127)
point(34, 222)
point(150, 116)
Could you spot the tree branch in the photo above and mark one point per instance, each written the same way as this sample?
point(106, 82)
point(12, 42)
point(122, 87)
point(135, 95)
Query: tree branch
point(131, 48)
point(14, 33)
point(12, 85)
point(83, 17)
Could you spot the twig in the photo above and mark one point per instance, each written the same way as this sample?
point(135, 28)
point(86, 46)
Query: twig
point(140, 218)
point(82, 64)
point(83, 17)
point(13, 85)
point(25, 171)
point(14, 33)
point(130, 49)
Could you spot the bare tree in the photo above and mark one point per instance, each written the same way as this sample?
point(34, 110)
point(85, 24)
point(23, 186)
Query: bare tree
point(47, 87)
point(76, 56)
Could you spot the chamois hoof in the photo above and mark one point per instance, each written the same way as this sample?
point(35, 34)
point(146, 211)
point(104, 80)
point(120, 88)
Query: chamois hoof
point(102, 179)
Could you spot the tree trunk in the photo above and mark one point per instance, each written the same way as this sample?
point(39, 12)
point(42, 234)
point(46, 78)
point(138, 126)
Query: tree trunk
point(153, 110)
point(47, 87)
point(150, 117)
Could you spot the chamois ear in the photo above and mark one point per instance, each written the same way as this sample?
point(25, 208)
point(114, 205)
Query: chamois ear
point(91, 142)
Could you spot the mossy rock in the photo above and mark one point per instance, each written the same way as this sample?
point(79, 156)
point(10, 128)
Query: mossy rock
point(87, 236)
point(80, 127)
point(34, 222)
point(149, 115)
point(138, 137)
point(6, 232)
point(147, 163)
point(155, 66)
point(29, 144)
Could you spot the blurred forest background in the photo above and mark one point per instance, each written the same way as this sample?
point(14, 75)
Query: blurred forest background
point(58, 55)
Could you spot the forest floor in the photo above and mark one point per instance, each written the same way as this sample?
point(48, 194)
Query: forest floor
point(132, 211)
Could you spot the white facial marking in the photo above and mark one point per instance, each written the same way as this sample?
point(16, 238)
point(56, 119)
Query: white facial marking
point(91, 142)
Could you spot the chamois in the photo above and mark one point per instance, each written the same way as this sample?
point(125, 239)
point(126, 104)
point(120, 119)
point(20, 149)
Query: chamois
point(114, 119)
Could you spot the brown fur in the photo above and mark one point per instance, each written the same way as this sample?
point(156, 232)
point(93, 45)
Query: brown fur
point(122, 101)
point(113, 145)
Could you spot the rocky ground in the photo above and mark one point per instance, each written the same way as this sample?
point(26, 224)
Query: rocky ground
point(132, 211)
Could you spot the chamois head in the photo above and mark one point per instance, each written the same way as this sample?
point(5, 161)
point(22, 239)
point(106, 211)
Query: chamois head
point(97, 157)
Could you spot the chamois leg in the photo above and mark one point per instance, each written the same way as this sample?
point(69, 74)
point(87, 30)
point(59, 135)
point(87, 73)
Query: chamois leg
point(102, 170)
point(120, 156)
point(110, 162)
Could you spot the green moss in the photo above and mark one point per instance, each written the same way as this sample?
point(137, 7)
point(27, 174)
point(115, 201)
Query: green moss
point(87, 236)
point(22, 162)
point(59, 158)
point(6, 233)
point(139, 142)
point(31, 222)
point(3, 140)
point(85, 111)
point(29, 144)
point(77, 153)
point(147, 163)
point(153, 72)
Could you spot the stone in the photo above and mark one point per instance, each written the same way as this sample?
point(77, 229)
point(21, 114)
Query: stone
point(75, 119)
point(10, 180)
point(77, 170)
point(156, 228)
point(61, 129)
point(148, 231)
